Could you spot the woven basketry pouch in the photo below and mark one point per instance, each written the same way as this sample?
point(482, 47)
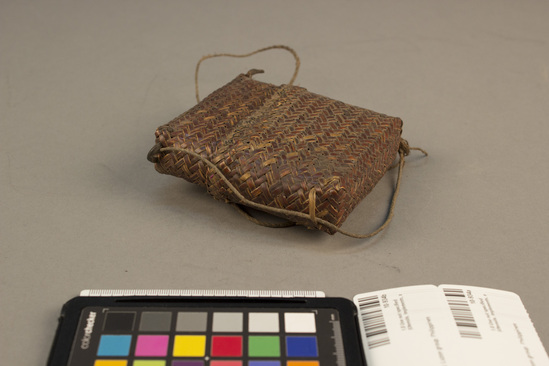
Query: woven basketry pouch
point(280, 149)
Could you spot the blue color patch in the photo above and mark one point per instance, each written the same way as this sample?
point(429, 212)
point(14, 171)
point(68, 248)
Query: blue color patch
point(114, 345)
point(264, 363)
point(301, 347)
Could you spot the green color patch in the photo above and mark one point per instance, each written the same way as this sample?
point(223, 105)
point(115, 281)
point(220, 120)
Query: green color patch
point(264, 346)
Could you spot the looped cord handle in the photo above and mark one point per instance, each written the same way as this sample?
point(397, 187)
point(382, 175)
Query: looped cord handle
point(283, 47)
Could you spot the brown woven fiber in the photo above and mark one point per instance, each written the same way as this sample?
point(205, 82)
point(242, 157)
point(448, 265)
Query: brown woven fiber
point(281, 149)
point(276, 144)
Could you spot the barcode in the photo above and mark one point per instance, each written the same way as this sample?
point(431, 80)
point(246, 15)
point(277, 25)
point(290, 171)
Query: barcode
point(461, 311)
point(373, 321)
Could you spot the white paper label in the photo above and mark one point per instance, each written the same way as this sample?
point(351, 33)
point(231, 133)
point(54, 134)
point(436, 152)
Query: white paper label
point(448, 325)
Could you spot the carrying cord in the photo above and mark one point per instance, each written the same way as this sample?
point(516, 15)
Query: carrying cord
point(403, 150)
point(297, 63)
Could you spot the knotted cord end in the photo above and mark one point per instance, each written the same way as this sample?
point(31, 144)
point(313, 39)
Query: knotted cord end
point(253, 72)
point(404, 147)
point(153, 155)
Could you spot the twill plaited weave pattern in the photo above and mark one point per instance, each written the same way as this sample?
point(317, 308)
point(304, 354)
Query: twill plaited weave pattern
point(277, 143)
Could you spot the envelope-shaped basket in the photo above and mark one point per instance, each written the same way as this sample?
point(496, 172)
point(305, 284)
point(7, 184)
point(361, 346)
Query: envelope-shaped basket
point(282, 149)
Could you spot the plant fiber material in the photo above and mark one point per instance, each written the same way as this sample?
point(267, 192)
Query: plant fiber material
point(310, 158)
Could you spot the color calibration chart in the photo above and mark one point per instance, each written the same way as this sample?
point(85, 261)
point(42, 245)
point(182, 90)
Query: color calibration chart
point(172, 336)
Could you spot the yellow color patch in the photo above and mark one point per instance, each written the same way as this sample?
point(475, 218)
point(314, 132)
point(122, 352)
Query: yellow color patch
point(189, 346)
